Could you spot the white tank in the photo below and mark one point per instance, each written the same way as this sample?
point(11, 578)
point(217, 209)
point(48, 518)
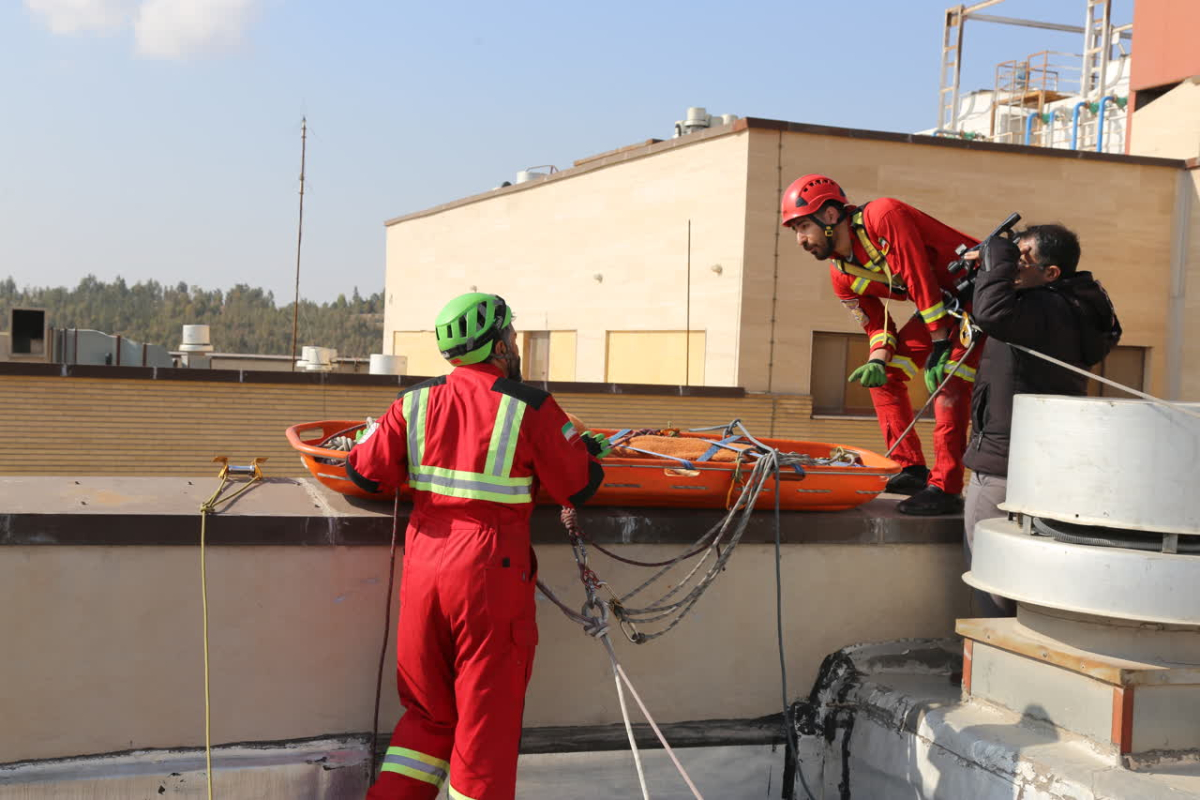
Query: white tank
point(196, 339)
point(388, 365)
point(1105, 461)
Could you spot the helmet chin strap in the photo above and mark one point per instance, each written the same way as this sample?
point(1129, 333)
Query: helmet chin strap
point(830, 226)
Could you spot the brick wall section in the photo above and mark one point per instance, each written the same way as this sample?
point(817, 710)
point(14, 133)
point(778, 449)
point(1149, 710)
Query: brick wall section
point(110, 426)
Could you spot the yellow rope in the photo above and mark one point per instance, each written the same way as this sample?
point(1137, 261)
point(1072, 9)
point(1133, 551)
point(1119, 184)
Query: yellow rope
point(207, 507)
point(207, 701)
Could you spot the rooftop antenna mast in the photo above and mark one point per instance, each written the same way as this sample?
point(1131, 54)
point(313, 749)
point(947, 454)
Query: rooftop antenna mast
point(299, 237)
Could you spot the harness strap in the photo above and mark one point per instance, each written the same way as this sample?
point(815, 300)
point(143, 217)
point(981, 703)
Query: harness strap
point(876, 269)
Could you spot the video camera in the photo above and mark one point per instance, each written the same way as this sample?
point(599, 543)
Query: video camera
point(962, 271)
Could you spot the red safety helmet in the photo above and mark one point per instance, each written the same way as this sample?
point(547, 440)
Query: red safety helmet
point(806, 196)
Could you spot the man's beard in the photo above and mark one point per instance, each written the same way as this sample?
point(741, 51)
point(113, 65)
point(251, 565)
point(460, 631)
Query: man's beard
point(513, 366)
point(823, 251)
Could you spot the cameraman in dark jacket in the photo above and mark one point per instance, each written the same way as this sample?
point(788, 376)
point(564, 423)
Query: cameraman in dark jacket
point(1029, 293)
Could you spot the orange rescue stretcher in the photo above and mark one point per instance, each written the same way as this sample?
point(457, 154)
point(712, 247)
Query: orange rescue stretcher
point(830, 478)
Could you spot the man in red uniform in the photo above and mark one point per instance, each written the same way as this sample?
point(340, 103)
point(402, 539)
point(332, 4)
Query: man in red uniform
point(474, 446)
point(882, 254)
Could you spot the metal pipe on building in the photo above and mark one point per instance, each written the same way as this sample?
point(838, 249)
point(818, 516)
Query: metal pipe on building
point(1029, 127)
point(1075, 124)
point(1100, 122)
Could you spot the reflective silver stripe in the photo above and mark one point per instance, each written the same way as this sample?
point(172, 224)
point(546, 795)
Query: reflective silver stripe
point(411, 422)
point(474, 486)
point(505, 438)
point(429, 769)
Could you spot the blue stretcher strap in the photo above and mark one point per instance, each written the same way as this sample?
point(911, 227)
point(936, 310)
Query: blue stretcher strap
point(718, 446)
point(683, 461)
point(619, 434)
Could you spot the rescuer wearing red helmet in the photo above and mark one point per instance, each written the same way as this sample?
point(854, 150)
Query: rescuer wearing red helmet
point(887, 251)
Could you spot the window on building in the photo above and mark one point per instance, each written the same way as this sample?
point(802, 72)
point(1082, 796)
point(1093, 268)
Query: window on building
point(535, 355)
point(834, 357)
point(675, 358)
point(1126, 365)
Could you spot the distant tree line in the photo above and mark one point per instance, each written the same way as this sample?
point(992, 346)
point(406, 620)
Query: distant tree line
point(243, 319)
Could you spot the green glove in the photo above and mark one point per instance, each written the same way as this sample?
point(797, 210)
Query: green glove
point(597, 444)
point(935, 365)
point(871, 374)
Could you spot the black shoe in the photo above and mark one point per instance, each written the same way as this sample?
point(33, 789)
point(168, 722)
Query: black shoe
point(909, 480)
point(931, 502)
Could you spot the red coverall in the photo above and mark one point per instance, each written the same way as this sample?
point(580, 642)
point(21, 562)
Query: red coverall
point(473, 446)
point(917, 249)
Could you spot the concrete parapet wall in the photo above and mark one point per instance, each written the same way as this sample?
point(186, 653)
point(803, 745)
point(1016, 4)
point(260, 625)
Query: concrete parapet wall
point(104, 613)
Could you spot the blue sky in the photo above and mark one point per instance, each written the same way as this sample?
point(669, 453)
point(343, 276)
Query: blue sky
point(160, 138)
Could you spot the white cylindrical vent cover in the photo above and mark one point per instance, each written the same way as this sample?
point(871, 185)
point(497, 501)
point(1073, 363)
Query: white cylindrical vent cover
point(696, 115)
point(388, 365)
point(196, 339)
point(1105, 461)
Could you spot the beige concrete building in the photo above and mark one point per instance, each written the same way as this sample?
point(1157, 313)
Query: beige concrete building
point(665, 262)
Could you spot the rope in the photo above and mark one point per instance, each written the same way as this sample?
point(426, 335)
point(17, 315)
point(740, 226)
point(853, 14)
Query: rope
point(637, 756)
point(595, 621)
point(620, 672)
point(917, 417)
point(729, 532)
point(387, 628)
point(788, 728)
point(1112, 383)
point(209, 506)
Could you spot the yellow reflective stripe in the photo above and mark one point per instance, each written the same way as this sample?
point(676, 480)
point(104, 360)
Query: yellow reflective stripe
point(884, 337)
point(455, 794)
point(933, 313)
point(414, 416)
point(859, 286)
point(422, 406)
point(470, 490)
point(416, 765)
point(432, 761)
point(905, 364)
point(458, 474)
point(411, 772)
point(408, 420)
point(963, 371)
point(496, 483)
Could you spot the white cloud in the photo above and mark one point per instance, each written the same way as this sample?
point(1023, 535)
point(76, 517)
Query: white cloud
point(83, 16)
point(171, 29)
point(179, 28)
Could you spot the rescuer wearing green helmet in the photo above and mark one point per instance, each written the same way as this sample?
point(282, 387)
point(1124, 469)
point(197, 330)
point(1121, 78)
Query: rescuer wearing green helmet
point(475, 446)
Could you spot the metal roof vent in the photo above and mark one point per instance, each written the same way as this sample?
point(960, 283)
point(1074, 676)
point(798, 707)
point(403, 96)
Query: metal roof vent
point(699, 119)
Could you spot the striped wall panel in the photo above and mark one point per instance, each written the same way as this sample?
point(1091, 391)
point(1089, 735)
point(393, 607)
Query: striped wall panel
point(102, 426)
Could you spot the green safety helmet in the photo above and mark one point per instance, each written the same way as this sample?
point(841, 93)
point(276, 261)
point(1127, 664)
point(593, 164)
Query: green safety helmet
point(469, 325)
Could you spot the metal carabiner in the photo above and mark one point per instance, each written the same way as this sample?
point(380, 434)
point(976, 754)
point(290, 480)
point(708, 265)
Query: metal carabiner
point(966, 330)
